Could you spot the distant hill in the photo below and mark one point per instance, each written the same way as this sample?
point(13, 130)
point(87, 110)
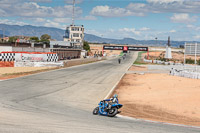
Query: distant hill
point(29, 30)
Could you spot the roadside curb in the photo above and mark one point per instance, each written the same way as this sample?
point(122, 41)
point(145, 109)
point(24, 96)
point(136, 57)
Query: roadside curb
point(156, 122)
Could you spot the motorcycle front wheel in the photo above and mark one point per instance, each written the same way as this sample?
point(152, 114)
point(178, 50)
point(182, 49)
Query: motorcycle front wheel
point(112, 112)
point(96, 111)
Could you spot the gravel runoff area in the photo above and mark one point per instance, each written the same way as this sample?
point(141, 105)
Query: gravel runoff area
point(159, 96)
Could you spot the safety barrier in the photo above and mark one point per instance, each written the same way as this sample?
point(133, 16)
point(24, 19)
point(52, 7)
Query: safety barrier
point(38, 64)
point(161, 62)
point(29, 56)
point(185, 73)
point(6, 63)
point(9, 59)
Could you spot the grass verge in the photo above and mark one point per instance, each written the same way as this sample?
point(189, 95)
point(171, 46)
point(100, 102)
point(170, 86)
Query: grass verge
point(139, 60)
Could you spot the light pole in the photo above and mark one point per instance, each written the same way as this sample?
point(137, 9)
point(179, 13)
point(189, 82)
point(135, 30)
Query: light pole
point(156, 45)
point(156, 41)
point(2, 34)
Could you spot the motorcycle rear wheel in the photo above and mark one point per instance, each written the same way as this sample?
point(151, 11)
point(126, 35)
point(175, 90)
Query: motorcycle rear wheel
point(112, 112)
point(96, 111)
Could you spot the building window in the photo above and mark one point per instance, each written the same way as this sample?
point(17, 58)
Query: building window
point(75, 35)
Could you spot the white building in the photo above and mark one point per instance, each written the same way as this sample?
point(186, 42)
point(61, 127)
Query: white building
point(75, 35)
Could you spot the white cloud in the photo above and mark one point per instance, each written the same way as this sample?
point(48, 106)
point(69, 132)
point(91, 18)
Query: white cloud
point(71, 1)
point(107, 11)
point(144, 29)
point(32, 9)
point(41, 1)
point(193, 27)
point(164, 1)
point(197, 37)
point(172, 31)
point(132, 30)
point(183, 18)
point(12, 22)
point(39, 20)
point(62, 20)
point(50, 23)
point(21, 1)
point(88, 18)
point(152, 6)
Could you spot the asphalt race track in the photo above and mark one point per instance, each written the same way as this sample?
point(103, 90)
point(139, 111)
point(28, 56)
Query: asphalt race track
point(62, 101)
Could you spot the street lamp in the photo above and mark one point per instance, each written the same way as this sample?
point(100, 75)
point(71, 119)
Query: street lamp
point(156, 41)
point(156, 45)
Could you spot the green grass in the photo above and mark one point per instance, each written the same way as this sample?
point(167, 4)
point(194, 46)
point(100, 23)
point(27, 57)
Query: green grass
point(121, 54)
point(139, 60)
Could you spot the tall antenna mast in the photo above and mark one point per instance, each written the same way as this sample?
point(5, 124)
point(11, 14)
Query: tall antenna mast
point(73, 12)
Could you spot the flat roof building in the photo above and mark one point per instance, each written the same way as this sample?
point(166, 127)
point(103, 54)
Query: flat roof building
point(75, 35)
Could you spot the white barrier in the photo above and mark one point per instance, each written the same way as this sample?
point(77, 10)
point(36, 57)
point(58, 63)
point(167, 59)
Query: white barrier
point(38, 64)
point(185, 73)
point(161, 62)
point(27, 56)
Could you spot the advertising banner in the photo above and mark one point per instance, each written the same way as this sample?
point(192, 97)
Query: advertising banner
point(125, 48)
point(137, 48)
point(113, 47)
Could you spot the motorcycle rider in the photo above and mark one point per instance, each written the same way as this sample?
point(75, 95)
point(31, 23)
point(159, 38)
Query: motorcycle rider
point(114, 100)
point(119, 60)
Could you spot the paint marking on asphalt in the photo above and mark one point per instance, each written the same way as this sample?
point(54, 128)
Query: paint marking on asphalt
point(156, 122)
point(113, 88)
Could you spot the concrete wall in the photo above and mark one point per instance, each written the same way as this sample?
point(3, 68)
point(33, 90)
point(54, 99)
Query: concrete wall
point(5, 49)
point(164, 49)
point(29, 49)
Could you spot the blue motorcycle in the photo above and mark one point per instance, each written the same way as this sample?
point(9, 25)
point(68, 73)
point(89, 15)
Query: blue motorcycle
point(107, 108)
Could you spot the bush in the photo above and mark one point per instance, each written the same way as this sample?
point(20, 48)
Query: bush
point(189, 61)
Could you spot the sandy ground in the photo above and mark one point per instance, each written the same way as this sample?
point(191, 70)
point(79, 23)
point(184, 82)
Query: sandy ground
point(13, 72)
point(160, 97)
point(138, 68)
point(9, 70)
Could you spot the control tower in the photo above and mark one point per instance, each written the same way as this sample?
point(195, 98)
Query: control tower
point(74, 33)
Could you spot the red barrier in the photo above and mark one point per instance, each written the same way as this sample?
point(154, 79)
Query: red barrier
point(6, 63)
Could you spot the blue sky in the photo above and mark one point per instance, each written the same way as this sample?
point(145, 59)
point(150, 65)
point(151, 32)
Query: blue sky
point(138, 19)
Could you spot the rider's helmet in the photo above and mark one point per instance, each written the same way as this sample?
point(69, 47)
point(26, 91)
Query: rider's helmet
point(115, 96)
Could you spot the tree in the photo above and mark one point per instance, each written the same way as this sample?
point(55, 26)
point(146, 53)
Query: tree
point(34, 38)
point(45, 38)
point(86, 46)
point(12, 39)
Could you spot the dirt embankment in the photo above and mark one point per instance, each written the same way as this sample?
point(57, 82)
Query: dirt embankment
point(160, 97)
